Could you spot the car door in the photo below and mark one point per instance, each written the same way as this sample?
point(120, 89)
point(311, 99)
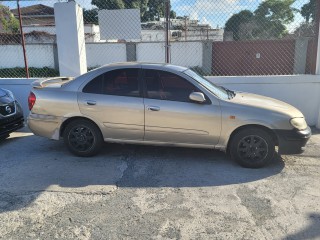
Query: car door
point(170, 117)
point(114, 101)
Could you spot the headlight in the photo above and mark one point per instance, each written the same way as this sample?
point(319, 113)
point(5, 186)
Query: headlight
point(10, 94)
point(299, 123)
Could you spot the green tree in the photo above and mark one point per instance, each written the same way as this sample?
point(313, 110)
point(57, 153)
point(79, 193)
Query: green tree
point(275, 10)
point(173, 14)
point(122, 4)
point(90, 16)
point(271, 17)
point(150, 10)
point(268, 21)
point(308, 11)
point(109, 4)
point(9, 23)
point(236, 20)
point(156, 10)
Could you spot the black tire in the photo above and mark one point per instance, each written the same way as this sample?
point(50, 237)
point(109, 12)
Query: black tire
point(83, 138)
point(252, 147)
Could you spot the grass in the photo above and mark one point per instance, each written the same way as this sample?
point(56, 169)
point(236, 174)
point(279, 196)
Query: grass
point(19, 72)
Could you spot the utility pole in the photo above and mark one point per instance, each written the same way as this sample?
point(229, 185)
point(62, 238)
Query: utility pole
point(185, 28)
point(23, 41)
point(167, 31)
point(317, 39)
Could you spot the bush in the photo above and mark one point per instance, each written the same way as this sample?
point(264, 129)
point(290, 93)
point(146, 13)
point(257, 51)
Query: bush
point(19, 72)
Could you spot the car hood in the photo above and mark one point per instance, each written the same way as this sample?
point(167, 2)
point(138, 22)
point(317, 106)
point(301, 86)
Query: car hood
point(258, 101)
point(2, 93)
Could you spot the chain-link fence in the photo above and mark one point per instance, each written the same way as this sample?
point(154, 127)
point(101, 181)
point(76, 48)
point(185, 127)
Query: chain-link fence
point(221, 37)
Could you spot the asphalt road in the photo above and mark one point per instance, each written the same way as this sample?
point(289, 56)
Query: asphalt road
point(139, 192)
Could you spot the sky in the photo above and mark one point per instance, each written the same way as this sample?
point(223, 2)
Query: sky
point(214, 12)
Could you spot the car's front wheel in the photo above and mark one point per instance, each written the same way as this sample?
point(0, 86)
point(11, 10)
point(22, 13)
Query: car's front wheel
point(83, 138)
point(252, 147)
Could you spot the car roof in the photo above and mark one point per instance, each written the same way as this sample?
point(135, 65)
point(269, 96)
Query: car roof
point(146, 64)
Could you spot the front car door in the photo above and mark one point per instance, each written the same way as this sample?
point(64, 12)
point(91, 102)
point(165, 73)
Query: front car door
point(113, 100)
point(171, 117)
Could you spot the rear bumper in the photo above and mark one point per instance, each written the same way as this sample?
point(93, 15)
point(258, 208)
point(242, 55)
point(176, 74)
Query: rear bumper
point(44, 125)
point(293, 141)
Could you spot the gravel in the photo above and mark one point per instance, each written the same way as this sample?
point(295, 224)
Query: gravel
point(143, 192)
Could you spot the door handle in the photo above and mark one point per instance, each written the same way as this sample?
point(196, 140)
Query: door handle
point(153, 108)
point(91, 102)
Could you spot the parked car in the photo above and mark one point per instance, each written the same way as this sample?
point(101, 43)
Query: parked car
point(167, 105)
point(11, 114)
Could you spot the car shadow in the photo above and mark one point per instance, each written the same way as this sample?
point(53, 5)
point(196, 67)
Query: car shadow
point(31, 165)
point(312, 231)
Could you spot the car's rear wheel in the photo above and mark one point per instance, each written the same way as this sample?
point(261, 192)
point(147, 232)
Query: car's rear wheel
point(83, 138)
point(252, 147)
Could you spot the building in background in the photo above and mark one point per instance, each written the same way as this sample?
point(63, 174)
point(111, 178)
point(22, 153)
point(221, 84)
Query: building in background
point(181, 29)
point(39, 26)
point(36, 14)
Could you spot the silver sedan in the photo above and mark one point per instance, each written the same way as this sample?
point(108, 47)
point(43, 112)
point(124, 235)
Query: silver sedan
point(167, 105)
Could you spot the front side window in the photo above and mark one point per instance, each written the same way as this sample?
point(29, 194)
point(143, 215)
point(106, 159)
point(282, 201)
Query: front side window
point(216, 90)
point(167, 86)
point(120, 82)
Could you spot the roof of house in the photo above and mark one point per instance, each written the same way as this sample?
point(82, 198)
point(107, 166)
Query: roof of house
point(38, 9)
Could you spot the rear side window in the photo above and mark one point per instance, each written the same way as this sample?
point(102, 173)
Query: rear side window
point(94, 86)
point(167, 86)
point(121, 82)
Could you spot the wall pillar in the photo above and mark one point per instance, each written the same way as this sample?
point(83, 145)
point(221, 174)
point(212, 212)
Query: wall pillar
point(131, 51)
point(70, 39)
point(207, 56)
point(317, 21)
point(300, 56)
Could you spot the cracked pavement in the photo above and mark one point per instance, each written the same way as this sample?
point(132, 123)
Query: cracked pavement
point(144, 192)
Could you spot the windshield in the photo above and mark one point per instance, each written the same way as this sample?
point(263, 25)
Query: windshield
point(220, 92)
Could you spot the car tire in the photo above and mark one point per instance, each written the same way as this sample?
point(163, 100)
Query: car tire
point(252, 147)
point(83, 138)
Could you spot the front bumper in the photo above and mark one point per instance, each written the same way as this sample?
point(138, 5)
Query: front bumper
point(292, 141)
point(10, 124)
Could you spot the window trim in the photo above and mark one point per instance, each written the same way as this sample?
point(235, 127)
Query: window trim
point(140, 82)
point(145, 90)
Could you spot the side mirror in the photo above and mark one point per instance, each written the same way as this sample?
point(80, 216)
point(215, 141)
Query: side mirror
point(197, 97)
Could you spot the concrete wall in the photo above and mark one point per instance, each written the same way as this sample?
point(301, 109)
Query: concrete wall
point(42, 55)
point(187, 54)
point(99, 54)
point(39, 55)
point(151, 52)
point(88, 28)
point(301, 91)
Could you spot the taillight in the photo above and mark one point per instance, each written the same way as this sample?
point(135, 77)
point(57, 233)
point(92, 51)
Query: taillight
point(31, 100)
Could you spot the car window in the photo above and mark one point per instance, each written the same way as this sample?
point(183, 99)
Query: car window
point(167, 86)
point(216, 90)
point(94, 86)
point(120, 82)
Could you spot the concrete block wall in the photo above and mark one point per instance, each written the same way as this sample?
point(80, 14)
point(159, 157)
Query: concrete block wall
point(39, 55)
point(99, 54)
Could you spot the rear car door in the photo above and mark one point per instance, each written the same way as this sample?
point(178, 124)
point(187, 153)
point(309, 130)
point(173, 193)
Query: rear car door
point(114, 101)
point(171, 117)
